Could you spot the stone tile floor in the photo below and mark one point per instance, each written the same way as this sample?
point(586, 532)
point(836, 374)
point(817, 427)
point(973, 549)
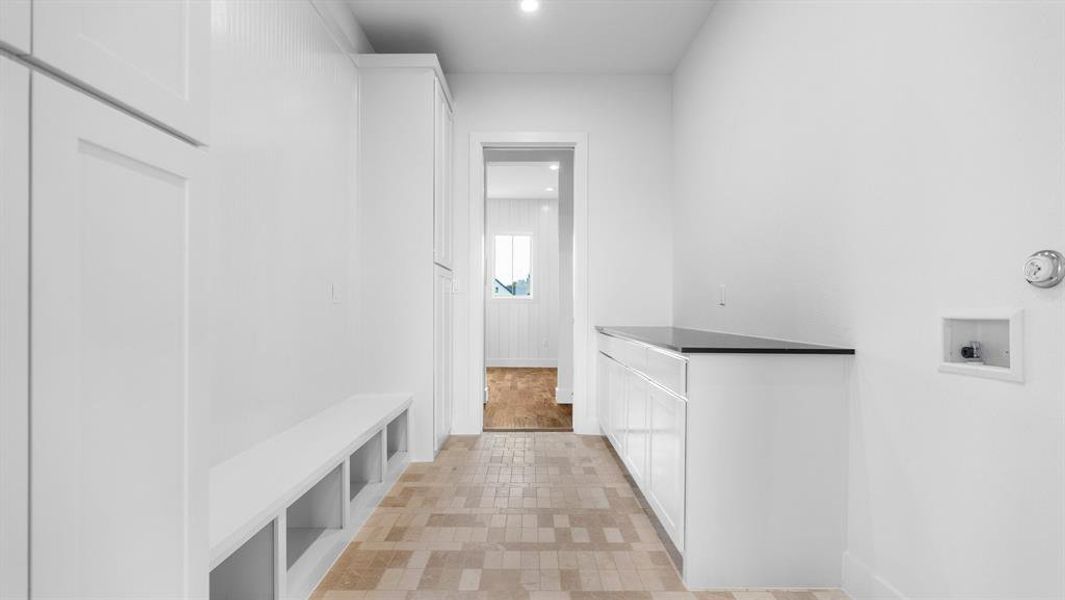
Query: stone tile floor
point(537, 516)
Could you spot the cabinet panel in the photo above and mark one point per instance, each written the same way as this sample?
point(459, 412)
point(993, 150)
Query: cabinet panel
point(14, 326)
point(117, 321)
point(618, 405)
point(15, 25)
point(152, 56)
point(602, 387)
point(637, 430)
point(668, 370)
point(667, 461)
point(442, 353)
point(442, 217)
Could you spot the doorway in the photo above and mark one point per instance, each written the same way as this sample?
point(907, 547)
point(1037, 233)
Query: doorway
point(528, 291)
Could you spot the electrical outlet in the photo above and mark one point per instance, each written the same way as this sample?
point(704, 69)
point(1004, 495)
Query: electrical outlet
point(334, 293)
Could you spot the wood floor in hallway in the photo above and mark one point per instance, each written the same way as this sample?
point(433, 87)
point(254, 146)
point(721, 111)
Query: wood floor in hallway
point(516, 515)
point(524, 398)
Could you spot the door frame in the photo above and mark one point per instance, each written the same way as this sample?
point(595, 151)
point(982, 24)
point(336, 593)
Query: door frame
point(584, 421)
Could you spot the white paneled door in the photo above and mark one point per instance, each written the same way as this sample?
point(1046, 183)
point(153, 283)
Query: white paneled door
point(119, 482)
point(667, 464)
point(15, 25)
point(442, 342)
point(14, 327)
point(152, 56)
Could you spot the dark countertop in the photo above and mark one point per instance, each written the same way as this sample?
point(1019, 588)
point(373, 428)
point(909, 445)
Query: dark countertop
point(694, 341)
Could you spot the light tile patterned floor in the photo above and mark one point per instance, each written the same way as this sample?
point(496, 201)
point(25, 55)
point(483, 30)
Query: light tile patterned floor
point(538, 516)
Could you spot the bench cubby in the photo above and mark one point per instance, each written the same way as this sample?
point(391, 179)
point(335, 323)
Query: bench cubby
point(248, 573)
point(282, 511)
point(315, 513)
point(366, 465)
point(396, 435)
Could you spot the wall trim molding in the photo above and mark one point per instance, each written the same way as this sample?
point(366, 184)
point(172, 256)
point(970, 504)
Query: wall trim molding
point(530, 363)
point(861, 583)
point(469, 411)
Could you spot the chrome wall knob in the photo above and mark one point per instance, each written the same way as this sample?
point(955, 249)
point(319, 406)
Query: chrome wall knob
point(1045, 268)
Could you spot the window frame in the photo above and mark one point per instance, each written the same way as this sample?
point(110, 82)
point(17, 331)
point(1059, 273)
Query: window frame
point(492, 261)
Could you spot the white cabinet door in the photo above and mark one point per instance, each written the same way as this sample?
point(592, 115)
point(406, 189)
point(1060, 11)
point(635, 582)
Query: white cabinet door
point(602, 386)
point(14, 327)
point(442, 356)
point(637, 430)
point(15, 25)
point(668, 414)
point(442, 217)
point(151, 56)
point(119, 488)
point(618, 406)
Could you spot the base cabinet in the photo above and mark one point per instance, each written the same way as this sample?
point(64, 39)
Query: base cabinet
point(742, 458)
point(646, 425)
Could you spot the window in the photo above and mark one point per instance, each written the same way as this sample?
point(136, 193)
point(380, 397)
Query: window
point(512, 275)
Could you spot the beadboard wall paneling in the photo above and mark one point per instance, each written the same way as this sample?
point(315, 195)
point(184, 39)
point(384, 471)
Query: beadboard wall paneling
point(524, 333)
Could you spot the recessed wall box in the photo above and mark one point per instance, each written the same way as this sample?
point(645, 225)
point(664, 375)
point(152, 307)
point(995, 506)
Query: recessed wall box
point(983, 343)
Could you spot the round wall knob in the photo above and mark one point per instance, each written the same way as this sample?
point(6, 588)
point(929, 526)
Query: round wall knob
point(1045, 268)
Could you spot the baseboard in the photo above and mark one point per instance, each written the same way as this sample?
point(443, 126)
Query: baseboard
point(860, 583)
point(528, 363)
point(563, 396)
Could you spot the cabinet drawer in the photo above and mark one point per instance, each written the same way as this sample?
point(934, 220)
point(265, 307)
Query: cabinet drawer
point(630, 354)
point(668, 370)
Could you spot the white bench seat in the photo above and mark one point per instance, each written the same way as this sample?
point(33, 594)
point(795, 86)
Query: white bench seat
point(254, 488)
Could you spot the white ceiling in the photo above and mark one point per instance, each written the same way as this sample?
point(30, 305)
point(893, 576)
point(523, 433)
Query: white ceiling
point(521, 180)
point(564, 36)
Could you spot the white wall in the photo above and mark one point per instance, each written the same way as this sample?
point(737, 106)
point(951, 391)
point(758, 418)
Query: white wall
point(850, 170)
point(627, 119)
point(283, 161)
point(519, 332)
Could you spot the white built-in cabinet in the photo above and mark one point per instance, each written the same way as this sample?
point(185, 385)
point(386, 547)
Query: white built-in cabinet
point(405, 217)
point(443, 303)
point(119, 484)
point(152, 57)
point(646, 423)
point(741, 456)
point(14, 327)
point(15, 25)
point(103, 492)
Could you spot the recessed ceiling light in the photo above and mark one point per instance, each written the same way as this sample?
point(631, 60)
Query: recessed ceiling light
point(530, 6)
point(553, 167)
point(550, 189)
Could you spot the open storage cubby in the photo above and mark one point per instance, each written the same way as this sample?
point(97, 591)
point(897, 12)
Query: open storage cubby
point(366, 465)
point(248, 573)
point(397, 435)
point(312, 515)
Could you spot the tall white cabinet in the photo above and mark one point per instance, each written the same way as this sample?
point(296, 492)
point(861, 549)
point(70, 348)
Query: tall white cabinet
point(14, 327)
point(102, 403)
point(15, 25)
point(149, 56)
point(115, 325)
point(405, 229)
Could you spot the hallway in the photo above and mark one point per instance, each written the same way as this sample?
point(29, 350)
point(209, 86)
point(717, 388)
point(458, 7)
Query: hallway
point(547, 516)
